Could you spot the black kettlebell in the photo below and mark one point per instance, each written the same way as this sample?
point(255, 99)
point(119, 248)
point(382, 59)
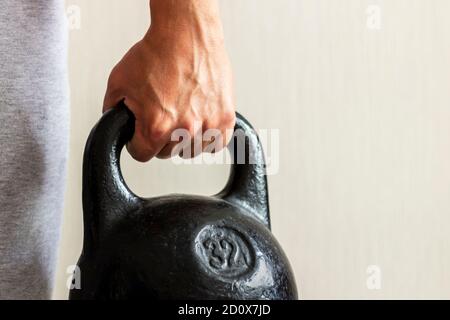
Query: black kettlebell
point(177, 246)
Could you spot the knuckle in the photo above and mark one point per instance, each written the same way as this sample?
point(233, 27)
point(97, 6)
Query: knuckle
point(228, 119)
point(210, 124)
point(140, 148)
point(227, 135)
point(155, 132)
point(189, 125)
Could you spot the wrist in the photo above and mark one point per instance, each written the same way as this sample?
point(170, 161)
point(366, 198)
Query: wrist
point(186, 22)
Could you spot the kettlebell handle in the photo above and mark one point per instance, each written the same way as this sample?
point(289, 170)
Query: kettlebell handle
point(247, 183)
point(104, 186)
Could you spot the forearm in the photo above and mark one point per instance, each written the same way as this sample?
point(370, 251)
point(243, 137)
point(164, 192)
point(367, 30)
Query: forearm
point(190, 21)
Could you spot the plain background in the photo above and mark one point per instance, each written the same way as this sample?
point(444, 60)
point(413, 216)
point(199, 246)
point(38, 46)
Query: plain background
point(364, 120)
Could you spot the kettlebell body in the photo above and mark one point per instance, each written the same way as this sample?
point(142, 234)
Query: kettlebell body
point(177, 246)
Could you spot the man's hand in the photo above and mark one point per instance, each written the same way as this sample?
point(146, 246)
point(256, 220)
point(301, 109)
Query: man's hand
point(177, 77)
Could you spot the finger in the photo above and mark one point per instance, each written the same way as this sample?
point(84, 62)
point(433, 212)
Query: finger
point(141, 147)
point(195, 148)
point(167, 151)
point(213, 141)
point(152, 133)
point(217, 134)
point(227, 135)
point(192, 147)
point(180, 139)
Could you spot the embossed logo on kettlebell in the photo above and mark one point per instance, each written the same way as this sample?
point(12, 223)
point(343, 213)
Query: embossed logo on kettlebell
point(225, 251)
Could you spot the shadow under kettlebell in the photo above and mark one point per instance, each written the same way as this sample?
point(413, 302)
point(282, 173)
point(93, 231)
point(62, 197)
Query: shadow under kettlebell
point(177, 246)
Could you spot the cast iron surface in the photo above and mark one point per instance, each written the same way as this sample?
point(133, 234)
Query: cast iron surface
point(177, 246)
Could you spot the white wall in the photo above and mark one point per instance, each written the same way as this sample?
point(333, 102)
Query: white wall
point(364, 119)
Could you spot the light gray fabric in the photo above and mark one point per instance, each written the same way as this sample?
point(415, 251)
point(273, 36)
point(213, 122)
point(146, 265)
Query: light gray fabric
point(34, 126)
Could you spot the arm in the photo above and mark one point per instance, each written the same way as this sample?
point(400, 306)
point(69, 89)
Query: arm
point(178, 75)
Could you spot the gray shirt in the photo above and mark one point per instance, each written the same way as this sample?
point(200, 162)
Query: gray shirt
point(34, 127)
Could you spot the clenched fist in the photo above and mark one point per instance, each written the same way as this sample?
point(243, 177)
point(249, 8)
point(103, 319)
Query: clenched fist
point(177, 77)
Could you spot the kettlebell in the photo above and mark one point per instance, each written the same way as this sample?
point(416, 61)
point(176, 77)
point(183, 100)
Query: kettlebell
point(182, 247)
